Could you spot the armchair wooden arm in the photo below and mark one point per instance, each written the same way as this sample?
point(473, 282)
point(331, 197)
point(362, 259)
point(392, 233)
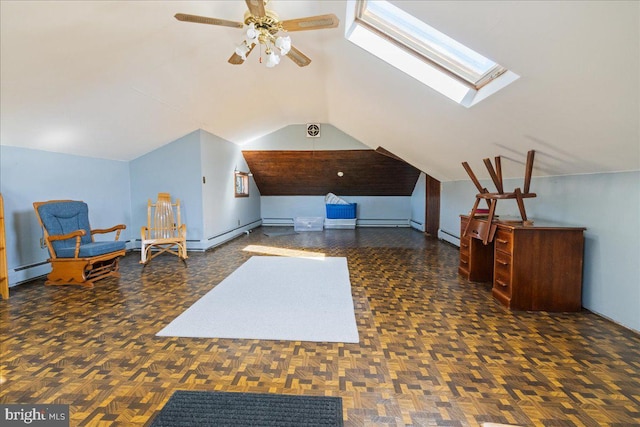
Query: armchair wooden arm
point(75, 234)
point(117, 228)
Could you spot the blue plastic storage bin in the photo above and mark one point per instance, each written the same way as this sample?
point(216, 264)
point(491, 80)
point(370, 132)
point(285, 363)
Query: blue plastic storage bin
point(341, 211)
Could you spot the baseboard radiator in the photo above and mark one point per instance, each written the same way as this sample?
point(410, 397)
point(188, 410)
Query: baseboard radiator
point(361, 222)
point(448, 237)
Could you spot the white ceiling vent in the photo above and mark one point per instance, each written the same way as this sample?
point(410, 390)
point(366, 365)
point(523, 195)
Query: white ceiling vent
point(313, 130)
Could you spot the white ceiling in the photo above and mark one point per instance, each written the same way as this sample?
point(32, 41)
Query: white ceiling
point(117, 79)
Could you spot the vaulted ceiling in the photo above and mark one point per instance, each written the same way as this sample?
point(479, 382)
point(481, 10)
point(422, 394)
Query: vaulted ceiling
point(118, 79)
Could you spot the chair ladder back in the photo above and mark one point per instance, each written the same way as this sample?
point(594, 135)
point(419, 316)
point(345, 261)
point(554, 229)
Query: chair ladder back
point(164, 224)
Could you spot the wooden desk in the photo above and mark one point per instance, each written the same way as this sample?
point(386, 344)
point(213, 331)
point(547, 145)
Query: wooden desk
point(533, 267)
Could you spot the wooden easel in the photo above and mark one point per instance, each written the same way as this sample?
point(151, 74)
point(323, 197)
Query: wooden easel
point(492, 198)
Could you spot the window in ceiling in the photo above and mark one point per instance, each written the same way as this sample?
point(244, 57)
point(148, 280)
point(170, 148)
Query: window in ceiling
point(423, 52)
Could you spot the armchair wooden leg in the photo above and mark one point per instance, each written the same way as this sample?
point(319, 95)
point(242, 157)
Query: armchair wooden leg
point(69, 273)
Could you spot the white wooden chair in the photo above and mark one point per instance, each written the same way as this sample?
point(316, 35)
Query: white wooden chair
point(164, 231)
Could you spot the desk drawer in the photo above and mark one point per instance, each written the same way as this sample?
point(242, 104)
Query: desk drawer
point(502, 282)
point(464, 261)
point(478, 229)
point(504, 241)
point(503, 263)
point(502, 273)
point(463, 226)
point(464, 246)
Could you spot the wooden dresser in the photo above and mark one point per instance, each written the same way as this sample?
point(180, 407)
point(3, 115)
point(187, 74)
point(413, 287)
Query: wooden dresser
point(533, 267)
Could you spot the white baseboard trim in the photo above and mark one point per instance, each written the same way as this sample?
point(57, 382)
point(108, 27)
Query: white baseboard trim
point(27, 273)
point(416, 225)
point(226, 236)
point(448, 237)
point(216, 240)
point(381, 222)
point(288, 222)
point(277, 222)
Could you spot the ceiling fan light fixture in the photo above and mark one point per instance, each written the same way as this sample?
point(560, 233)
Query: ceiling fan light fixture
point(272, 59)
point(242, 49)
point(284, 44)
point(252, 34)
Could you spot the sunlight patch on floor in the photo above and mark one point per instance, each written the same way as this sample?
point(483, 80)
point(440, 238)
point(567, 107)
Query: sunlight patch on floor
point(273, 250)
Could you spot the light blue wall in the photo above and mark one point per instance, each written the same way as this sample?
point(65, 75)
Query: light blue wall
point(27, 176)
point(209, 209)
point(225, 215)
point(608, 205)
point(175, 169)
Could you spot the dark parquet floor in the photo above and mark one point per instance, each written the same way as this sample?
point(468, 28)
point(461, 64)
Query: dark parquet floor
point(435, 349)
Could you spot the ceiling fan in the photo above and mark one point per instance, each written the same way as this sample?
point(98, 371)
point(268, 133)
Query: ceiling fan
point(262, 28)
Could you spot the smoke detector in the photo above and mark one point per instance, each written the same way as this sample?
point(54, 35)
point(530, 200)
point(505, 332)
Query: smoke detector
point(313, 130)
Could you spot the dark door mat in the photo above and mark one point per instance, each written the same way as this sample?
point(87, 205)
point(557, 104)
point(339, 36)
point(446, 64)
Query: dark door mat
point(204, 408)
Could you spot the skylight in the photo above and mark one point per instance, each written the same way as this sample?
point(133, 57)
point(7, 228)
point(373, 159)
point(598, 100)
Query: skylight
point(423, 52)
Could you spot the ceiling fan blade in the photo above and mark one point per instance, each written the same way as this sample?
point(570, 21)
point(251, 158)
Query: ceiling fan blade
point(298, 57)
point(204, 20)
point(311, 23)
point(237, 59)
point(256, 7)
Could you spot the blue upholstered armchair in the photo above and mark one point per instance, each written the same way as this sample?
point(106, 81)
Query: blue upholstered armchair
point(75, 257)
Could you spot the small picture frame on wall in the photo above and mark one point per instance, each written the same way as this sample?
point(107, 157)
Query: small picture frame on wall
point(241, 184)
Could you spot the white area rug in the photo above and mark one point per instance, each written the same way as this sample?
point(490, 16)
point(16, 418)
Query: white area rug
point(275, 298)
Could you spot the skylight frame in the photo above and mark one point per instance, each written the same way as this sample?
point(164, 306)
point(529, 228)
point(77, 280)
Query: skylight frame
point(409, 54)
point(426, 42)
